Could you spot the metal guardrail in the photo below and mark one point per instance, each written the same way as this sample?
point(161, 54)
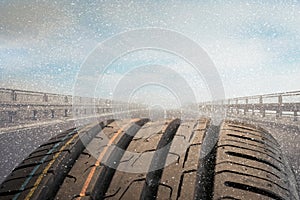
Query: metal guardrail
point(278, 104)
point(31, 97)
point(24, 106)
point(20, 106)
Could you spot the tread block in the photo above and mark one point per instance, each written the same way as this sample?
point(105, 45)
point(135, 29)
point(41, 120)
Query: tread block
point(181, 176)
point(249, 164)
point(86, 161)
point(143, 152)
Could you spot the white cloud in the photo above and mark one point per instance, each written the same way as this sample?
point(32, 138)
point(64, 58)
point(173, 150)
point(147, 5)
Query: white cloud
point(237, 35)
point(24, 23)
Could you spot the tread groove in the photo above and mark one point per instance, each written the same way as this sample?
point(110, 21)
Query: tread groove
point(250, 167)
point(127, 188)
point(262, 137)
point(250, 175)
point(181, 181)
point(186, 156)
point(31, 165)
point(229, 145)
point(140, 155)
point(249, 144)
point(252, 158)
point(14, 192)
point(151, 184)
point(246, 138)
point(228, 197)
point(204, 184)
point(251, 139)
point(103, 181)
point(54, 152)
point(253, 189)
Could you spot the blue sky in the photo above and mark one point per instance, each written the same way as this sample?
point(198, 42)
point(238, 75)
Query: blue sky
point(255, 45)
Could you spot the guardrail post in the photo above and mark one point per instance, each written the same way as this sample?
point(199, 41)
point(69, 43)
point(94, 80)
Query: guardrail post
point(263, 112)
point(13, 95)
point(34, 114)
point(236, 106)
point(10, 116)
point(52, 113)
point(245, 110)
point(262, 109)
point(228, 106)
point(246, 107)
point(261, 100)
point(279, 109)
point(45, 98)
point(66, 113)
point(295, 115)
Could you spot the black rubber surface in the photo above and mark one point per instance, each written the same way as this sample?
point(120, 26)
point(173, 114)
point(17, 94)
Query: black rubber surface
point(165, 159)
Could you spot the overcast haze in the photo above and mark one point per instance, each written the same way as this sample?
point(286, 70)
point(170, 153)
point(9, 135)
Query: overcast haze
point(255, 45)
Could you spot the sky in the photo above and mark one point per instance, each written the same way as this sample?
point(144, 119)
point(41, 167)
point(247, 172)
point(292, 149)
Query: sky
point(254, 45)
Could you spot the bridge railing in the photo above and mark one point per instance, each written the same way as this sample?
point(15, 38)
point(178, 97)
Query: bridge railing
point(20, 106)
point(278, 105)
